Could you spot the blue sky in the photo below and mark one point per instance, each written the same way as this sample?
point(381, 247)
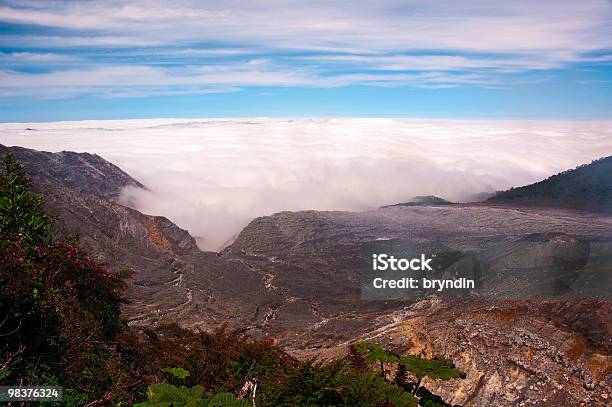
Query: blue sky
point(62, 60)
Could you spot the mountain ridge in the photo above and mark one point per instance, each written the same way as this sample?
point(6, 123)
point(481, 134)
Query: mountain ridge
point(588, 187)
point(81, 172)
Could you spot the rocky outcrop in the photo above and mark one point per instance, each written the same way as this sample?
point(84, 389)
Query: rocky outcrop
point(81, 172)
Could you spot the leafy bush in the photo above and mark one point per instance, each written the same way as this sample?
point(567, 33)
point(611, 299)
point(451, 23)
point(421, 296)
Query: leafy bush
point(335, 384)
point(177, 372)
point(219, 361)
point(222, 361)
point(57, 306)
point(21, 217)
point(167, 395)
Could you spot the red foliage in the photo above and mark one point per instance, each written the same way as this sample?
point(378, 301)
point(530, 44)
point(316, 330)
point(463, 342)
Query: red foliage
point(60, 306)
point(355, 360)
point(218, 360)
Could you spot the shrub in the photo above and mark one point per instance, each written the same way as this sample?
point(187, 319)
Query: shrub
point(336, 384)
point(219, 361)
point(57, 306)
point(167, 395)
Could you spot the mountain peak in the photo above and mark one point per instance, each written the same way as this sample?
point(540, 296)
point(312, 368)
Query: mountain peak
point(85, 173)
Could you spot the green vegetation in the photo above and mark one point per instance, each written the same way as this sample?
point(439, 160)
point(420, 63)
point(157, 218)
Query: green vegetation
point(167, 395)
point(177, 372)
point(58, 308)
point(336, 384)
point(21, 217)
point(375, 353)
point(220, 362)
point(60, 324)
point(435, 368)
point(588, 186)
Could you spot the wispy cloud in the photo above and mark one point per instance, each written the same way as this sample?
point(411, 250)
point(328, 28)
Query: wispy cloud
point(483, 26)
point(315, 43)
point(143, 80)
point(35, 57)
point(146, 80)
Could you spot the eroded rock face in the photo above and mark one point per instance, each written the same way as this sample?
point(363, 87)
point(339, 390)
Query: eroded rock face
point(514, 353)
point(294, 276)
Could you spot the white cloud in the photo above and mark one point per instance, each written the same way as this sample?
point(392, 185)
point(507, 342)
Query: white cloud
point(34, 57)
point(142, 80)
point(481, 26)
point(487, 38)
point(145, 80)
point(213, 176)
point(436, 62)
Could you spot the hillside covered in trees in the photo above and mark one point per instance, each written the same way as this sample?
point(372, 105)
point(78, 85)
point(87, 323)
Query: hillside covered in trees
point(588, 186)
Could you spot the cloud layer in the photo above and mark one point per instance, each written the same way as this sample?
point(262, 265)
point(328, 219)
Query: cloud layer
point(213, 176)
point(72, 48)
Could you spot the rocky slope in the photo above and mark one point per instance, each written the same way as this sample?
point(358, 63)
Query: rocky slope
point(173, 280)
point(295, 276)
point(513, 353)
point(80, 172)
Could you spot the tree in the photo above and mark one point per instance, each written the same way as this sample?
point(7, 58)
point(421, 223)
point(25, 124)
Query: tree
point(21, 216)
point(374, 352)
point(435, 368)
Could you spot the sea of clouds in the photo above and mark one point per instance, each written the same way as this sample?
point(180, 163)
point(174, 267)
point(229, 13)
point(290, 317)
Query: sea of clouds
point(213, 176)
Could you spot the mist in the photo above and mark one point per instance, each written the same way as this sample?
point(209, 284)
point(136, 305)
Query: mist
point(213, 176)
